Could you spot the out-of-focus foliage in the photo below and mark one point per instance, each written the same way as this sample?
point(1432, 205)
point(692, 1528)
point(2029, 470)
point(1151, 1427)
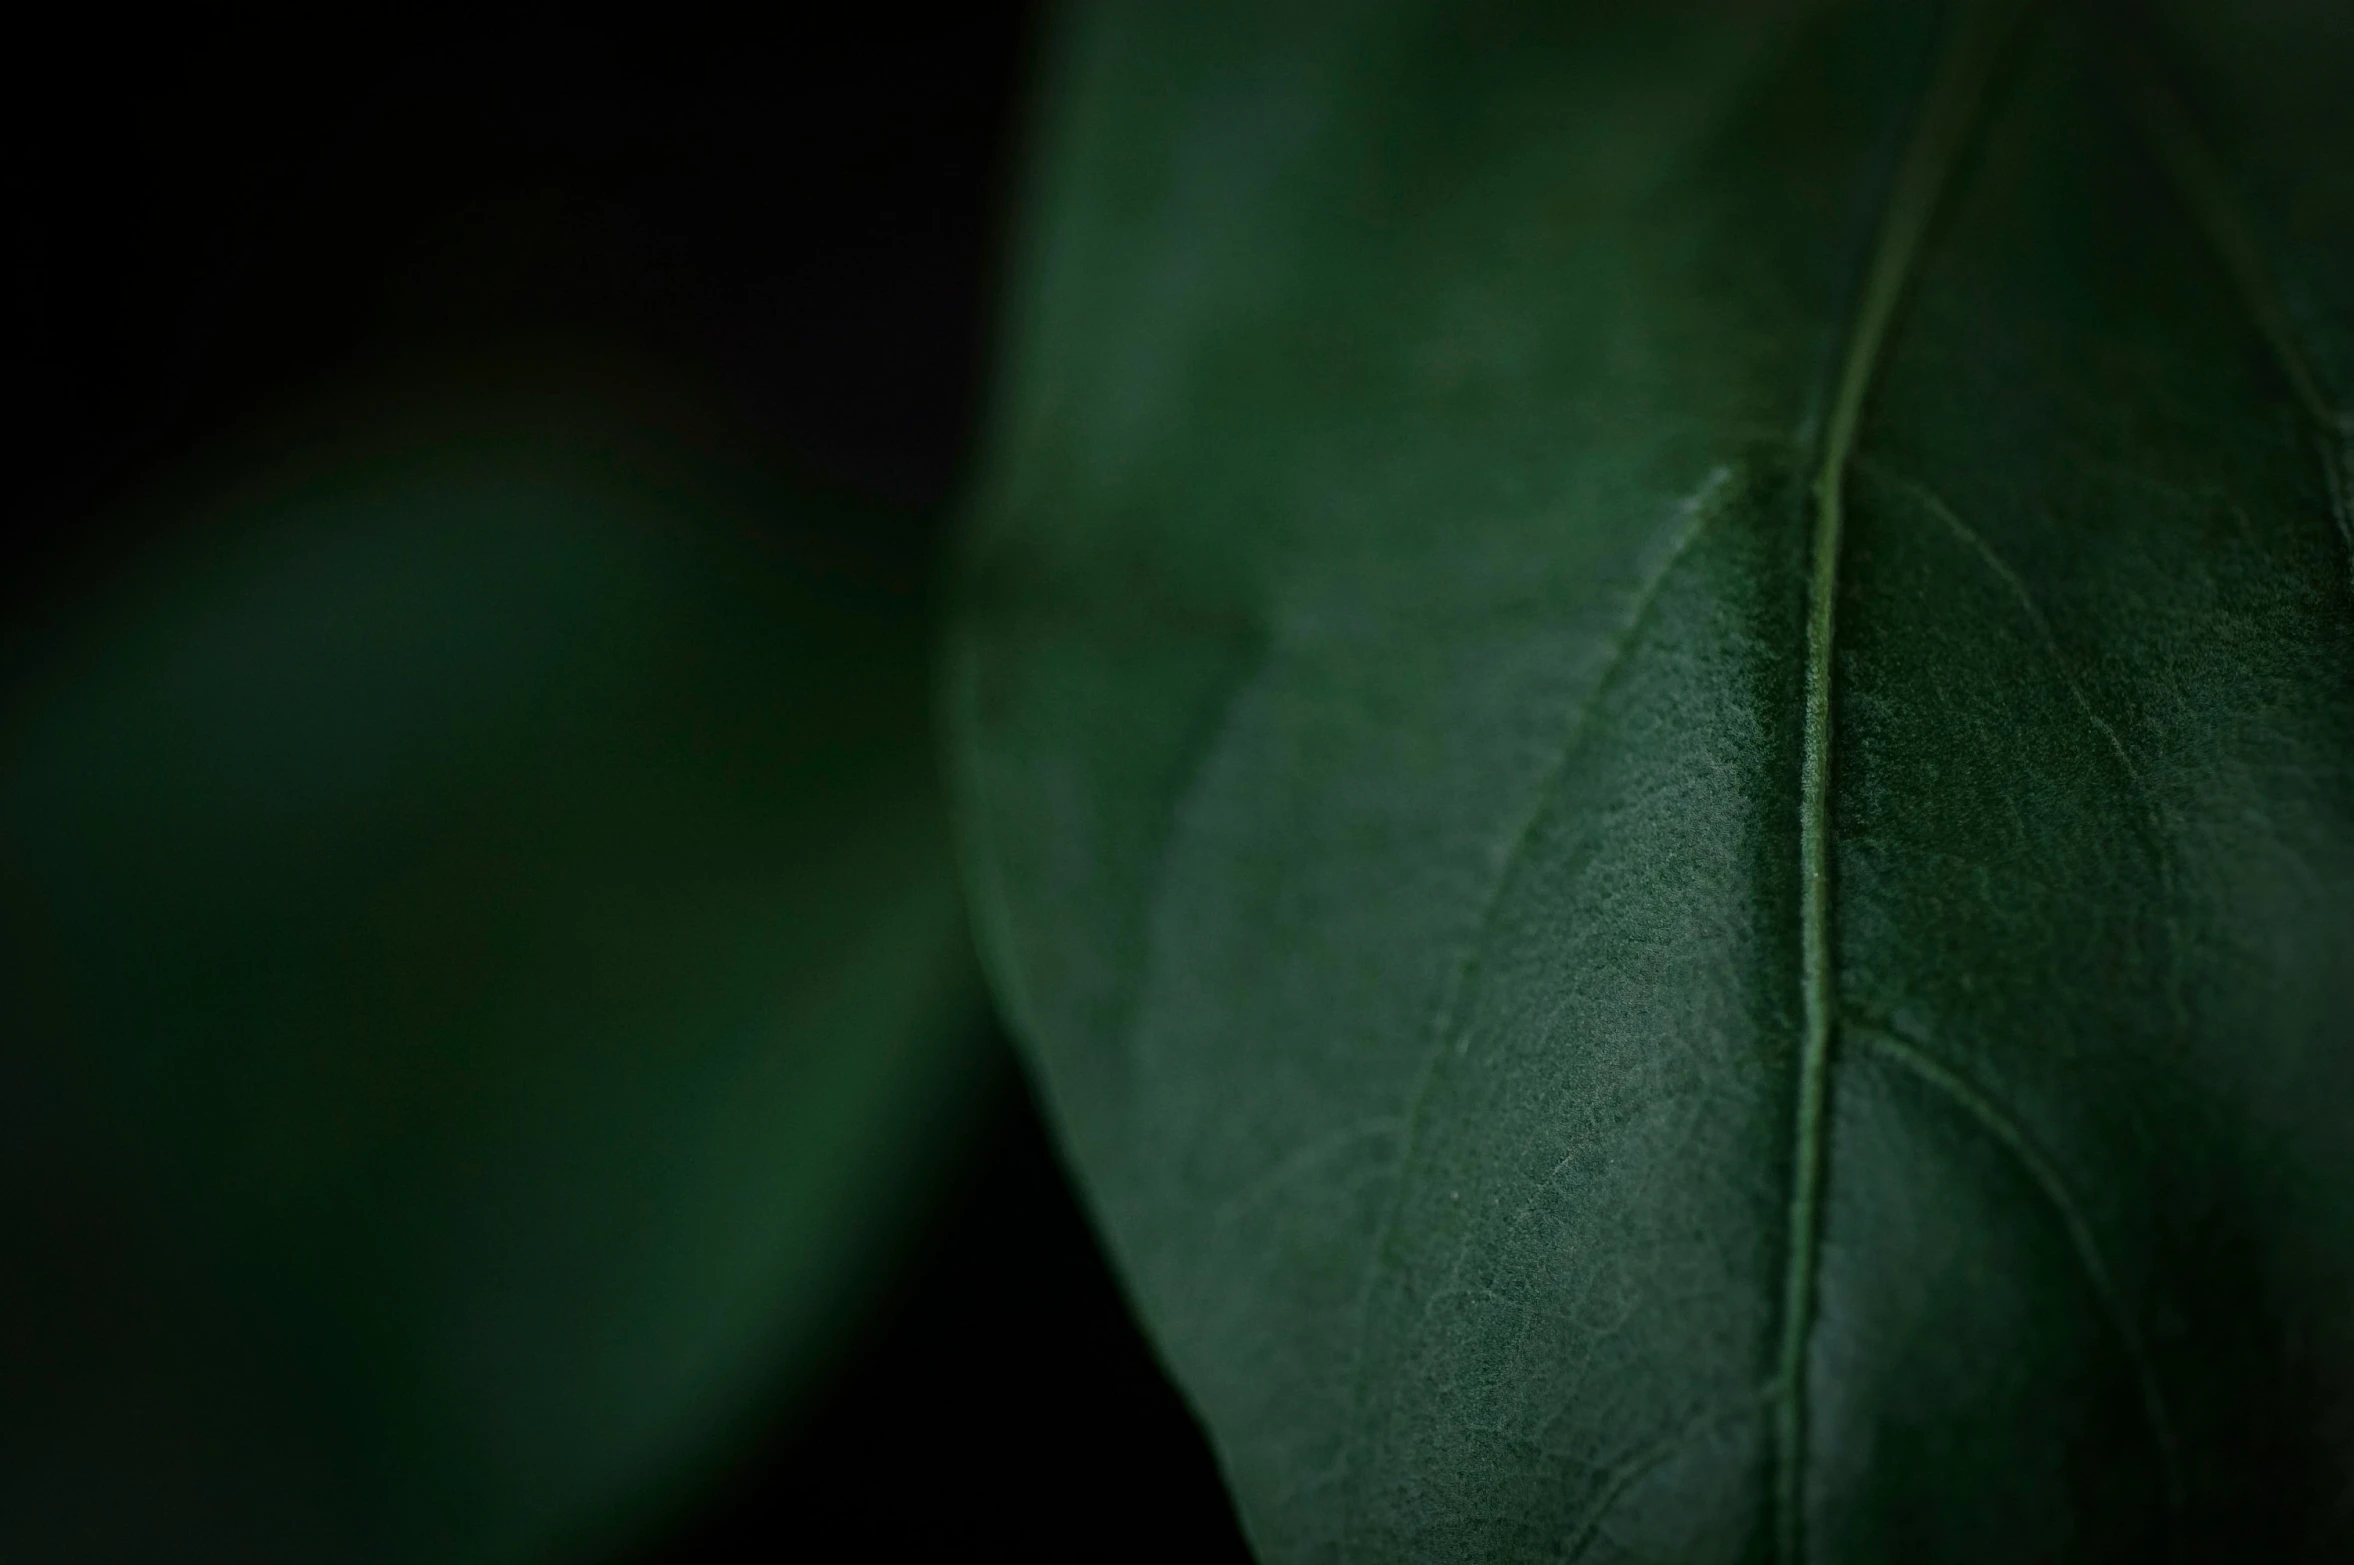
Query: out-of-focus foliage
point(483, 986)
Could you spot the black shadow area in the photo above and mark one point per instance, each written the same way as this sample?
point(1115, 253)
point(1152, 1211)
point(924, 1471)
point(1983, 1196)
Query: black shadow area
point(999, 1404)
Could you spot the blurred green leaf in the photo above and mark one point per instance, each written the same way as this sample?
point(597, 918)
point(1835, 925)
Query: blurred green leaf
point(1656, 711)
point(486, 988)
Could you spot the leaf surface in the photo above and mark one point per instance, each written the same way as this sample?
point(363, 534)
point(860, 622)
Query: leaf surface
point(1655, 718)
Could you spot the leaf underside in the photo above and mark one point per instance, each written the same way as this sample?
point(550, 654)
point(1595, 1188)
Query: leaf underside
point(1655, 721)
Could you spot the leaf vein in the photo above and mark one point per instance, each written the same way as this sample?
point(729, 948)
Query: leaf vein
point(1947, 114)
point(2199, 179)
point(1934, 503)
point(1644, 1461)
point(1696, 513)
point(2045, 1175)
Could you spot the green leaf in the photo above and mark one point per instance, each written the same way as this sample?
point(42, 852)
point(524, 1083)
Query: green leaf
point(486, 988)
point(1655, 717)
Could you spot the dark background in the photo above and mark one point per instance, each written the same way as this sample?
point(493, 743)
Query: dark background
point(223, 216)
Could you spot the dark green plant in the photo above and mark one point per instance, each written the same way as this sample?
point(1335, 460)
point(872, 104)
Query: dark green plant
point(1652, 714)
point(1655, 721)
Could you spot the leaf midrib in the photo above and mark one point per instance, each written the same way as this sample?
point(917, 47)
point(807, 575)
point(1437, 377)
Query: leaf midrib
point(1947, 115)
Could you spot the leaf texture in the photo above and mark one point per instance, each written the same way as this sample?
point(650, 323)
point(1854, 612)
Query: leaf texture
point(1654, 712)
